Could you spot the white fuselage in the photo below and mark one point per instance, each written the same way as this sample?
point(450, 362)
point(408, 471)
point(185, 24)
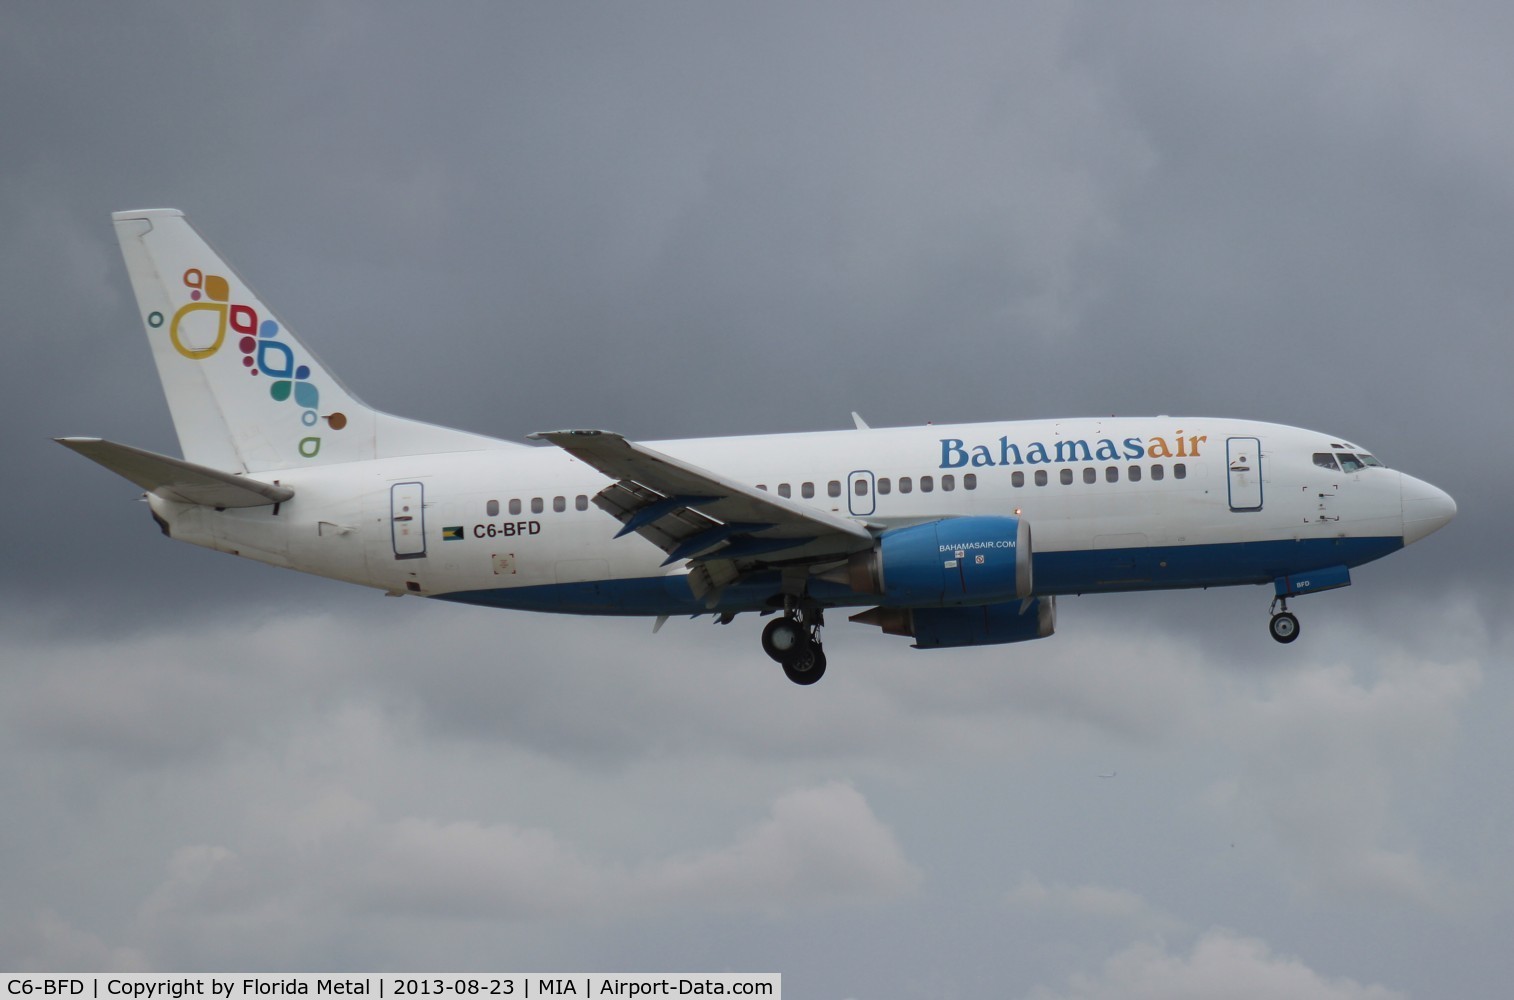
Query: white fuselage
point(1114, 504)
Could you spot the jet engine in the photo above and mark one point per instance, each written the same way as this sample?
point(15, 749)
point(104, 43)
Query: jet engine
point(959, 560)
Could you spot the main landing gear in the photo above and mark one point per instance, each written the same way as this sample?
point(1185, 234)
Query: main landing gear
point(794, 641)
point(1284, 625)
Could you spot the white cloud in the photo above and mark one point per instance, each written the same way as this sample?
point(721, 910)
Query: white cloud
point(1222, 964)
point(48, 943)
point(155, 698)
point(390, 775)
point(466, 869)
point(820, 846)
point(1324, 751)
point(1092, 902)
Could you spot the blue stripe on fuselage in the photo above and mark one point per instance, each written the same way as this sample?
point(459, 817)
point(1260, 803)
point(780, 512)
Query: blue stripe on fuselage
point(1176, 567)
point(1094, 571)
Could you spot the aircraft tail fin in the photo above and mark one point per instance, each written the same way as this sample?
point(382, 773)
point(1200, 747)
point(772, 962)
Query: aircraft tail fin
point(245, 394)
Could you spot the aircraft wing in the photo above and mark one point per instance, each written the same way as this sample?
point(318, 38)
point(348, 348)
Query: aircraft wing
point(723, 528)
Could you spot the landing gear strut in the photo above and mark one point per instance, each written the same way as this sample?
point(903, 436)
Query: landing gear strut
point(794, 641)
point(1284, 625)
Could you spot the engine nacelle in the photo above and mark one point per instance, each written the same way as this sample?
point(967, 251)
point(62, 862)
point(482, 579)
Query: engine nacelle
point(958, 560)
point(986, 625)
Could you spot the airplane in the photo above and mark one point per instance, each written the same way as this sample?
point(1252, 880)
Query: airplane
point(925, 532)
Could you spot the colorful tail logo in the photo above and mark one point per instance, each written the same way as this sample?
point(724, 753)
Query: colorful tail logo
point(204, 319)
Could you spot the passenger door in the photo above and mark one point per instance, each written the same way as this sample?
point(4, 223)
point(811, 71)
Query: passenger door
point(407, 520)
point(1244, 459)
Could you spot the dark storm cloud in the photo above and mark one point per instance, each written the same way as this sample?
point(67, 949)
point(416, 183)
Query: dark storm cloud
point(674, 220)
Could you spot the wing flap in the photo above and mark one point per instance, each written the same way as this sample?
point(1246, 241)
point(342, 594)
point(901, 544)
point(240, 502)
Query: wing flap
point(651, 514)
point(176, 479)
point(698, 515)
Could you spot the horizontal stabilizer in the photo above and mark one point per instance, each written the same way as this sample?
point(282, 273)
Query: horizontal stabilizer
point(175, 479)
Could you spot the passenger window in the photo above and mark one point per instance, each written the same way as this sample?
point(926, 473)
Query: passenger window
point(927, 484)
point(492, 508)
point(1135, 473)
point(1112, 474)
point(1349, 462)
point(1179, 471)
point(515, 506)
point(859, 487)
point(970, 481)
point(906, 484)
point(536, 505)
point(884, 485)
point(1066, 477)
point(948, 483)
point(1017, 479)
point(1157, 472)
point(783, 490)
point(1090, 475)
point(1040, 477)
point(807, 490)
point(763, 487)
point(581, 502)
point(1325, 460)
point(833, 488)
point(559, 504)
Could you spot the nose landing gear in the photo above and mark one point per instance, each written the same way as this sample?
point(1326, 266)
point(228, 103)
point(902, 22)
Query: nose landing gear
point(1284, 624)
point(794, 641)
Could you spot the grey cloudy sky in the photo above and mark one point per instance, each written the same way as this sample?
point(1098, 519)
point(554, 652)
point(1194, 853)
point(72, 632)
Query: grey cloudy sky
point(680, 219)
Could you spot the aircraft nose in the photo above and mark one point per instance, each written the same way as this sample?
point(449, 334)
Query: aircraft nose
point(1426, 509)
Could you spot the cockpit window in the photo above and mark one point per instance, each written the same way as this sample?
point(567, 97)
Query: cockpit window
point(1369, 460)
point(1349, 462)
point(1325, 460)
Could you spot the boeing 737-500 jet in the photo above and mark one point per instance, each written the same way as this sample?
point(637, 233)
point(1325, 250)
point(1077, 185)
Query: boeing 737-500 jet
point(926, 531)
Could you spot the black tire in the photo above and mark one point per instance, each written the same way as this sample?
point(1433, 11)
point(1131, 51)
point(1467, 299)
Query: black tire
point(782, 638)
point(1284, 626)
point(806, 666)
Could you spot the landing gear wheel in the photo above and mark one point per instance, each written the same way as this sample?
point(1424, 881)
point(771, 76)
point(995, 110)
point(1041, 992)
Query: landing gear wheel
point(807, 665)
point(782, 639)
point(1284, 626)
point(794, 641)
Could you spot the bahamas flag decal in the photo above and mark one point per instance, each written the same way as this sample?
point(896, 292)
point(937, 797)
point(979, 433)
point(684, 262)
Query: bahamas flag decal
point(452, 534)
